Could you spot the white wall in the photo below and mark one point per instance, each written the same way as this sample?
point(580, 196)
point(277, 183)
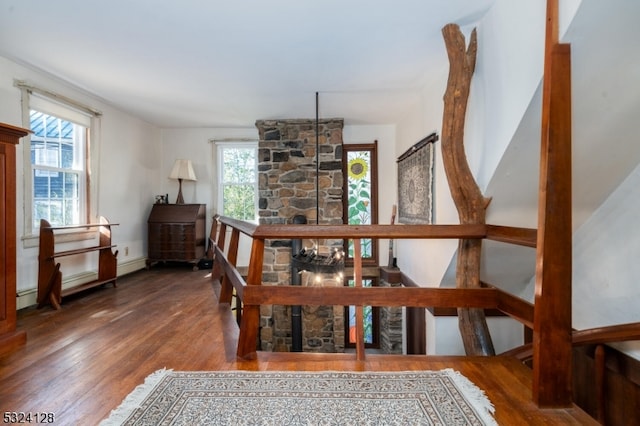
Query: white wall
point(443, 335)
point(426, 260)
point(605, 282)
point(129, 155)
point(508, 71)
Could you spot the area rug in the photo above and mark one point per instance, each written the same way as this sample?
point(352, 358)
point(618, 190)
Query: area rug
point(168, 397)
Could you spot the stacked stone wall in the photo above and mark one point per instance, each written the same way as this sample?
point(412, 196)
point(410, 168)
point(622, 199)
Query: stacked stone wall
point(289, 185)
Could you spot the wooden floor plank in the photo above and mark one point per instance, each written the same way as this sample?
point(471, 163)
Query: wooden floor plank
point(80, 362)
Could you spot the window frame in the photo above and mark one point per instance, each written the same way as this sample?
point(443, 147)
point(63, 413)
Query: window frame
point(43, 100)
point(373, 170)
point(235, 144)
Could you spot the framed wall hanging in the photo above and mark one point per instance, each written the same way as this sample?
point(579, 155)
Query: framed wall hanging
point(415, 182)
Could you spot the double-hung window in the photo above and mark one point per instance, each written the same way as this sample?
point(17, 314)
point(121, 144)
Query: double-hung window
point(58, 184)
point(237, 180)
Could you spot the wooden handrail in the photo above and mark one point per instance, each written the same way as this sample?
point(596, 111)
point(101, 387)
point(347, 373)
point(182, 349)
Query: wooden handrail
point(508, 234)
point(371, 231)
point(372, 296)
point(244, 227)
point(355, 231)
point(608, 334)
point(592, 336)
point(516, 308)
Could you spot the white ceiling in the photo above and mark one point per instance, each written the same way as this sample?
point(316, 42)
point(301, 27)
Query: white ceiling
point(198, 63)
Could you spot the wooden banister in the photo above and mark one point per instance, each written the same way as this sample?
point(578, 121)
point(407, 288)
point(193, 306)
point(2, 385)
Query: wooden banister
point(252, 294)
point(591, 336)
point(508, 234)
point(516, 308)
point(608, 334)
point(244, 227)
point(372, 296)
point(370, 231)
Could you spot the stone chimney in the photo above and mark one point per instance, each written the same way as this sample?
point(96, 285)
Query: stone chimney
point(287, 186)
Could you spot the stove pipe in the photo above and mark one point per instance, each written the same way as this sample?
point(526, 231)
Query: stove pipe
point(296, 311)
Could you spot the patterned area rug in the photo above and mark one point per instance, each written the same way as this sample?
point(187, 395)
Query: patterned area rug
point(303, 398)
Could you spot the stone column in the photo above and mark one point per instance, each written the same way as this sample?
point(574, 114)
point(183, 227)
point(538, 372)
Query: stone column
point(287, 187)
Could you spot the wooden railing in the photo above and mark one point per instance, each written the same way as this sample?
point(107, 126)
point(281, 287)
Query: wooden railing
point(252, 294)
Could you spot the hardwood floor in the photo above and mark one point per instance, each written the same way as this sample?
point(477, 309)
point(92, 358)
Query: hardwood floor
point(81, 361)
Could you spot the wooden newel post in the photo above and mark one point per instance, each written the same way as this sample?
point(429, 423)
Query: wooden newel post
point(468, 198)
point(552, 328)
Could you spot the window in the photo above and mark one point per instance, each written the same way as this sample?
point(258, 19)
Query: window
point(59, 158)
point(360, 196)
point(58, 170)
point(237, 178)
point(361, 208)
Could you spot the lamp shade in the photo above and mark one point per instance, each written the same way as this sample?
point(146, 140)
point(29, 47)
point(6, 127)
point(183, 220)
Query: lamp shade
point(182, 169)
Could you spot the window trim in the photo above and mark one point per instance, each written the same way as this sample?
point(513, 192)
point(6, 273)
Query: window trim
point(30, 237)
point(235, 143)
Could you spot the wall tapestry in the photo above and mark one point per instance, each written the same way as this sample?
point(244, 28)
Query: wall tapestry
point(415, 182)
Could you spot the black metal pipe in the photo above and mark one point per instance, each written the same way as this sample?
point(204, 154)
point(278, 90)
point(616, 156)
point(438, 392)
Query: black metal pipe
point(317, 164)
point(296, 311)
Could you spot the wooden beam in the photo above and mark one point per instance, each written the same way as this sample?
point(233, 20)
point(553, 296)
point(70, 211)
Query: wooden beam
point(371, 296)
point(516, 308)
point(512, 235)
point(250, 322)
point(232, 278)
point(226, 287)
point(357, 280)
point(370, 231)
point(552, 357)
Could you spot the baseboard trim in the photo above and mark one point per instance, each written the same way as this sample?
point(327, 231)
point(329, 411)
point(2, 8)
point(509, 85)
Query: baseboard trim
point(29, 297)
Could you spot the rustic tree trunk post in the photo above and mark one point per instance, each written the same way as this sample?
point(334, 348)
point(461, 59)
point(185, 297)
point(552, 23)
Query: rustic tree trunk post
point(468, 198)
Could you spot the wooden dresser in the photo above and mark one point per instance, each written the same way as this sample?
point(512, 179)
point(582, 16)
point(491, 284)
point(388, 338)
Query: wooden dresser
point(176, 233)
point(10, 338)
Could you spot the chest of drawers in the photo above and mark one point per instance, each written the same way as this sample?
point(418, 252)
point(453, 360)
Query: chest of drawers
point(176, 232)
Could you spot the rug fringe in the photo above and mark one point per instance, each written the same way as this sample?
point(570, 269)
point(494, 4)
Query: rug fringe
point(135, 398)
point(476, 396)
